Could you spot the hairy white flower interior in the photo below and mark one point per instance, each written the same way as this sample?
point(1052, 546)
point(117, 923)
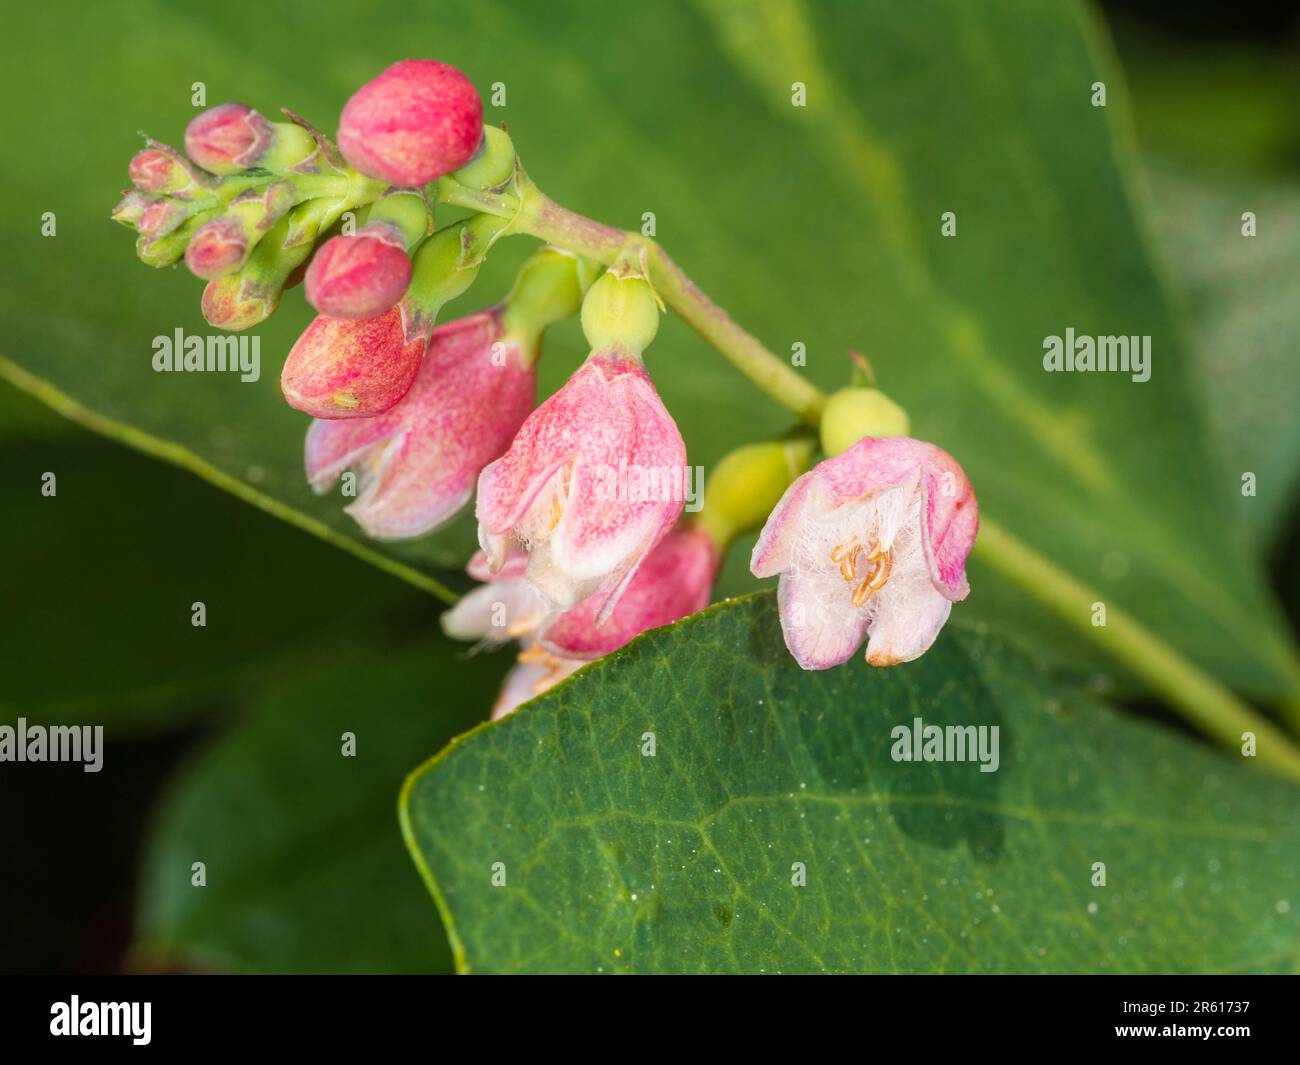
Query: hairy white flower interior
point(853, 566)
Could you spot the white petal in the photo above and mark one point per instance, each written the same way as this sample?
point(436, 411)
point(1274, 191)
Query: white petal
point(821, 626)
point(906, 626)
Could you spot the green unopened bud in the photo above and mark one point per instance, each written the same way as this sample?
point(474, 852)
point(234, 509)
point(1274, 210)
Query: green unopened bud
point(744, 487)
point(547, 290)
point(168, 249)
point(408, 211)
point(852, 413)
point(620, 312)
point(444, 268)
point(493, 164)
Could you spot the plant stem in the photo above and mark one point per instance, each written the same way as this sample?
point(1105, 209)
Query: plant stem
point(1200, 698)
point(544, 218)
point(1196, 695)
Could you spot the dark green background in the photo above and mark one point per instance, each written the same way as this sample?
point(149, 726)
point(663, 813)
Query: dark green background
point(209, 729)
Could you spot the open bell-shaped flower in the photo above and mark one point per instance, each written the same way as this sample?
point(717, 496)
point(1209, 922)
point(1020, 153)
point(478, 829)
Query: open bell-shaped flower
point(870, 544)
point(596, 475)
point(419, 460)
point(674, 581)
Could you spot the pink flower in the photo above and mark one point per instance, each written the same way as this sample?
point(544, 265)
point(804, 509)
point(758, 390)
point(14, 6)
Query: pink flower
point(359, 276)
point(870, 543)
point(673, 582)
point(419, 460)
point(504, 607)
point(413, 123)
point(350, 368)
point(590, 484)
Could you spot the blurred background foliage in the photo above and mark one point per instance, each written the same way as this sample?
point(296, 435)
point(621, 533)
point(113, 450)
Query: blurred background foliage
point(214, 733)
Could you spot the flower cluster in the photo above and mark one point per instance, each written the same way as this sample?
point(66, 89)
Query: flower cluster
point(419, 417)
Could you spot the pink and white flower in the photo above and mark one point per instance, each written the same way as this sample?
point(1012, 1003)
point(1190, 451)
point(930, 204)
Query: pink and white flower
point(557, 492)
point(870, 544)
point(672, 583)
point(504, 607)
point(418, 461)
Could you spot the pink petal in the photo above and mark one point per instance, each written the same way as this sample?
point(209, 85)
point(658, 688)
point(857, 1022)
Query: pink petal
point(776, 542)
point(558, 490)
point(821, 626)
point(673, 581)
point(420, 460)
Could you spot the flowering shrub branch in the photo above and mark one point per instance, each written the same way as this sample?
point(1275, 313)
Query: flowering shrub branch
point(579, 500)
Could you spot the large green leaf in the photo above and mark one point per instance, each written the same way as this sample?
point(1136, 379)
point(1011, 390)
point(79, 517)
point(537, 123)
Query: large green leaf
point(1243, 296)
point(100, 577)
point(816, 225)
point(615, 861)
point(305, 869)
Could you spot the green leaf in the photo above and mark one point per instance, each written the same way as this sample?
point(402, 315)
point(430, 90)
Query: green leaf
point(102, 576)
point(816, 225)
point(1243, 296)
point(615, 861)
point(305, 869)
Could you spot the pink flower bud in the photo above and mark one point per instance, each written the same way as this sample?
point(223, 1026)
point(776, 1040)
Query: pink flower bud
point(359, 276)
point(131, 208)
point(413, 123)
point(234, 303)
point(162, 170)
point(350, 368)
point(870, 544)
point(228, 138)
point(590, 484)
point(419, 461)
point(161, 217)
point(217, 247)
point(153, 170)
